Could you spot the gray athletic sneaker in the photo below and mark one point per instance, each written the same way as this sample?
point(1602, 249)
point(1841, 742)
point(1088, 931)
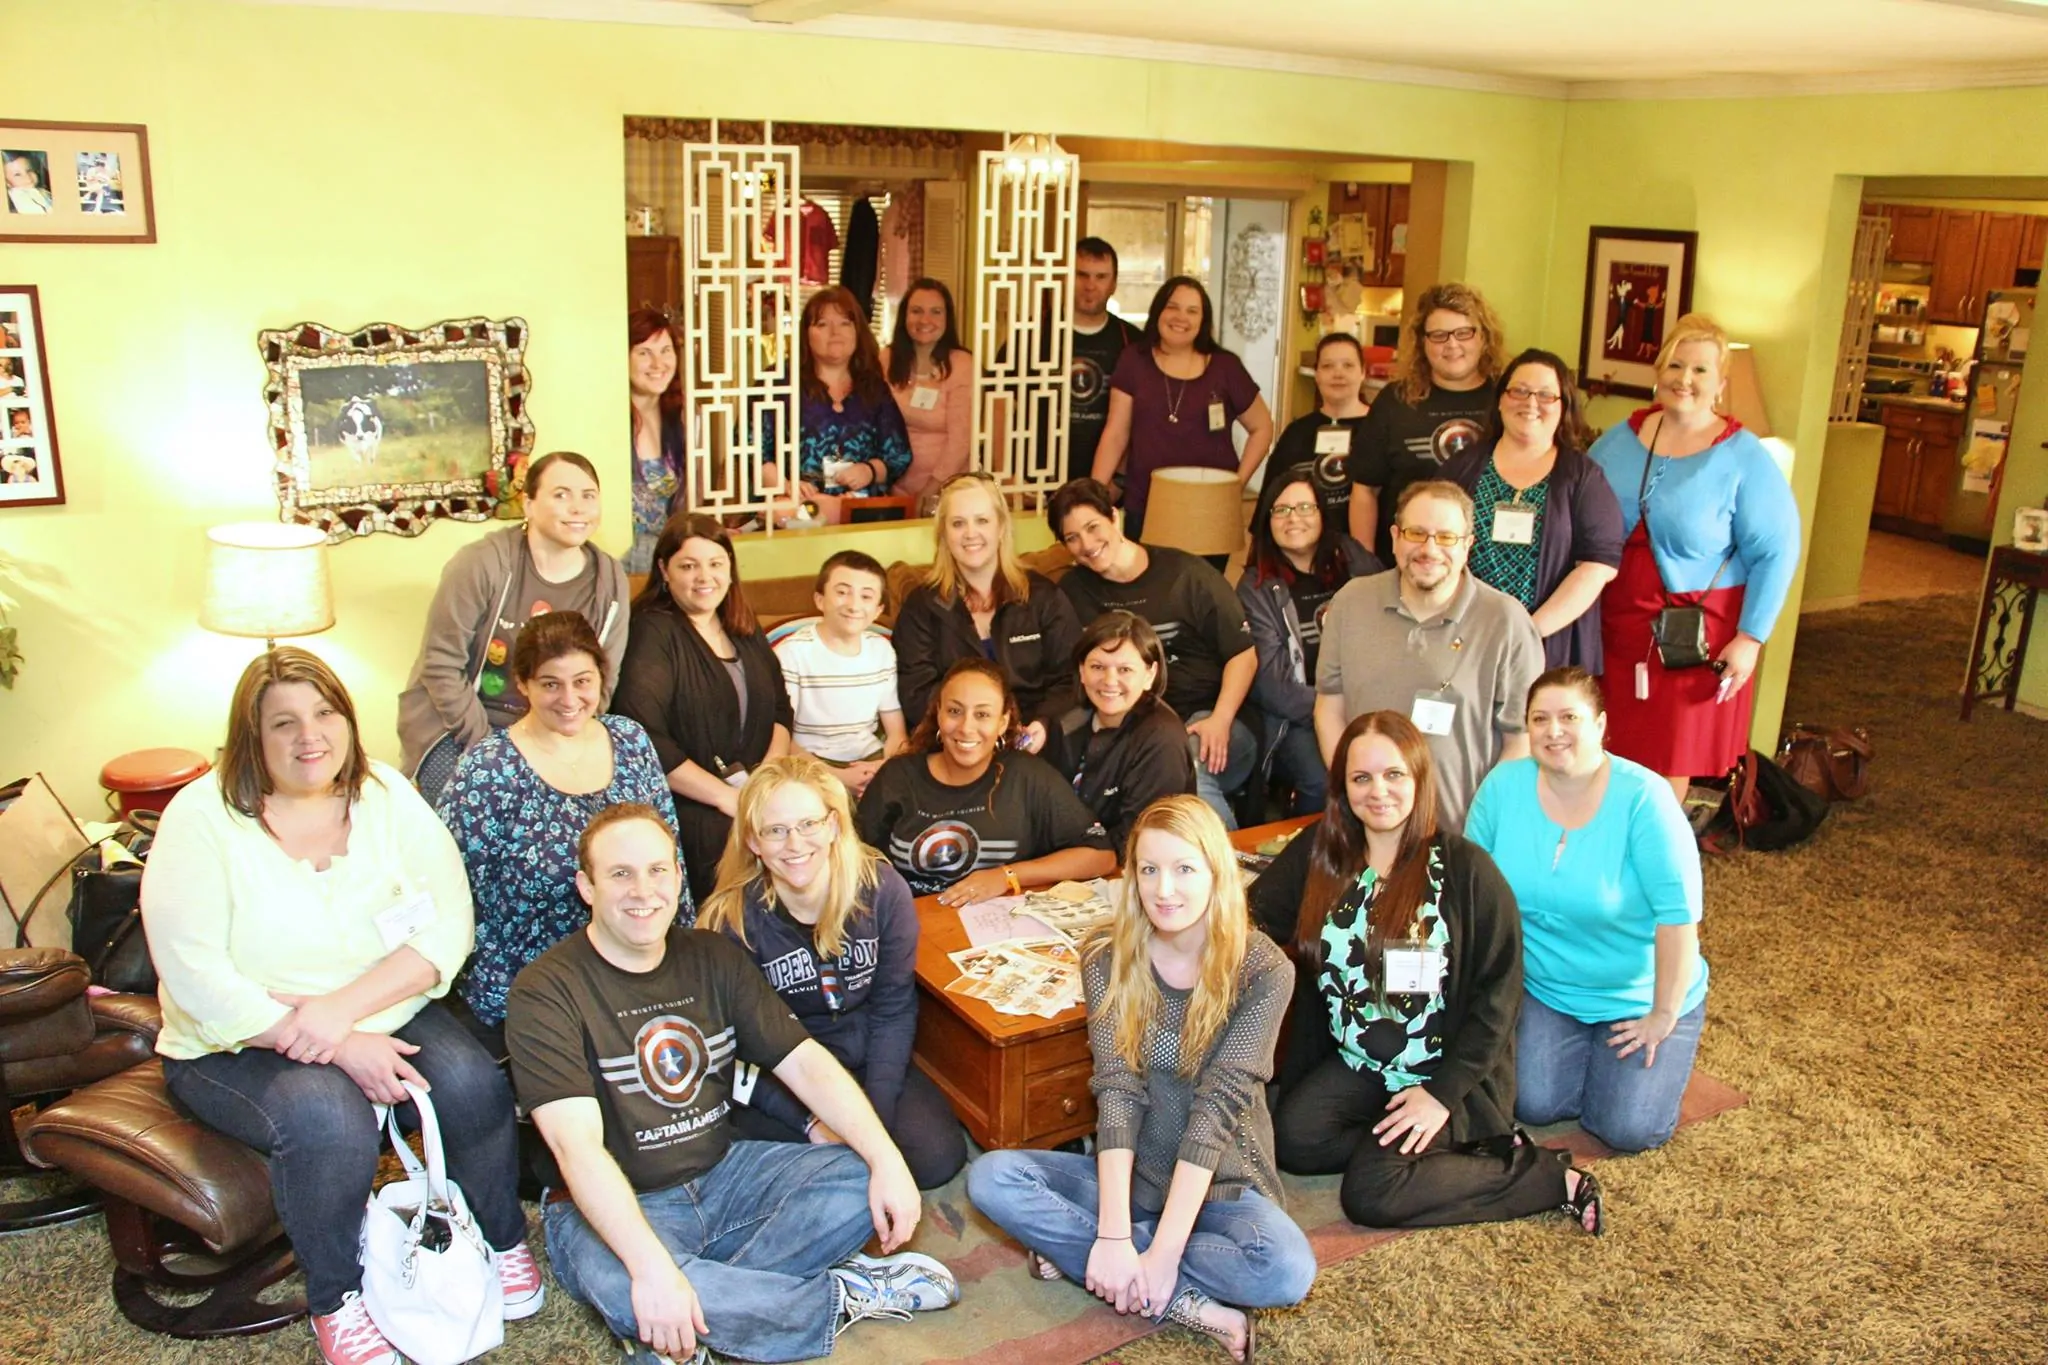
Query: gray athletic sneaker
point(892, 1287)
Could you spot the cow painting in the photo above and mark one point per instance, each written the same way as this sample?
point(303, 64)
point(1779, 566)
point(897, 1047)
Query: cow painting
point(361, 429)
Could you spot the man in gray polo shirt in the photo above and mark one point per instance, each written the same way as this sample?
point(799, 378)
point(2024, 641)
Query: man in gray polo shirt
point(1429, 640)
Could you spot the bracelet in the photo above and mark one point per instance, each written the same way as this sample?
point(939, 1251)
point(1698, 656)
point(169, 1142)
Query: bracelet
point(1010, 876)
point(1105, 1237)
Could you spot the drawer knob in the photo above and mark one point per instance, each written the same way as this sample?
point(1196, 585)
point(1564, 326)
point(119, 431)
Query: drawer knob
point(1069, 1105)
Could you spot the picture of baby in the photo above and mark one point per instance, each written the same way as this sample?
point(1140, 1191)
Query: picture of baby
point(28, 181)
point(99, 182)
point(10, 375)
point(20, 425)
point(18, 466)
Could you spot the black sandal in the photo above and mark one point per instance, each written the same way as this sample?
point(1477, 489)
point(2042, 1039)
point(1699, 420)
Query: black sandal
point(1587, 1200)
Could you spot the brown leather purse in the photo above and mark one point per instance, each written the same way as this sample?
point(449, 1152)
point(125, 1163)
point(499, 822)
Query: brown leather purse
point(1829, 761)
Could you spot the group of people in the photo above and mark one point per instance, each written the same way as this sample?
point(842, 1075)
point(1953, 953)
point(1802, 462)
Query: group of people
point(1492, 923)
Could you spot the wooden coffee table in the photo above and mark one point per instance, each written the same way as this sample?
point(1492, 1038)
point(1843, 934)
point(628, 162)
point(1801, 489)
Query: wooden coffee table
point(1014, 1081)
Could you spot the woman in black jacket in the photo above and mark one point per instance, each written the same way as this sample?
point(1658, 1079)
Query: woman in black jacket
point(978, 602)
point(1126, 748)
point(1401, 1071)
point(701, 680)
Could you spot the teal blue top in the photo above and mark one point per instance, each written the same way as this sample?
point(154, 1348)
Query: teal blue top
point(1398, 1036)
point(1592, 899)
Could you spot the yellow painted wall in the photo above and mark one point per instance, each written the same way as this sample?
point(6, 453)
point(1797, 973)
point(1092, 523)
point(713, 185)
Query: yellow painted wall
point(479, 171)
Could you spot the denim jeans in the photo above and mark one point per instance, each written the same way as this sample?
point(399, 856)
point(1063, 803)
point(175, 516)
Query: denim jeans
point(1215, 788)
point(1298, 762)
point(321, 1136)
point(754, 1234)
point(1245, 1251)
point(1564, 1069)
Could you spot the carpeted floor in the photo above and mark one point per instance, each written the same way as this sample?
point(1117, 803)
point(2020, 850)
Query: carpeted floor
point(1879, 995)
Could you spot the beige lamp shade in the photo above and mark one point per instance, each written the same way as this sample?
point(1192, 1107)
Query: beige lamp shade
point(1197, 510)
point(1745, 396)
point(266, 580)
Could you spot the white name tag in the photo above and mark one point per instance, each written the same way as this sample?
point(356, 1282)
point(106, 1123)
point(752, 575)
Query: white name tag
point(1514, 525)
point(1333, 440)
point(1432, 714)
point(1217, 420)
point(924, 398)
point(405, 921)
point(1413, 971)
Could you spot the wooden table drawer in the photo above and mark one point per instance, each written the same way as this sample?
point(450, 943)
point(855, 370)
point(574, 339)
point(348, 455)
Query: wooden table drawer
point(1055, 1100)
point(1050, 1054)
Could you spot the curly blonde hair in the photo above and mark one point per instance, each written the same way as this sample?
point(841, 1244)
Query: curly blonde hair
point(1412, 378)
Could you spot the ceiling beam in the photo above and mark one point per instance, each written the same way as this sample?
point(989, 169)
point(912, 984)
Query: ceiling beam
point(796, 11)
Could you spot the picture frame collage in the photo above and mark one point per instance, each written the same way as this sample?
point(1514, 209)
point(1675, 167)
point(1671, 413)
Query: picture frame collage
point(30, 474)
point(75, 182)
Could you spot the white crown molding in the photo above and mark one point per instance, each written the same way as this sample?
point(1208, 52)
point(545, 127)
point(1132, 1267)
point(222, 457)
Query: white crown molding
point(1921, 80)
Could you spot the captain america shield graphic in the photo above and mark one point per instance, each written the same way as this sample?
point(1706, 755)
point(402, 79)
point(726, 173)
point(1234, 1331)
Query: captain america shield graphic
point(946, 851)
point(1454, 438)
point(672, 1059)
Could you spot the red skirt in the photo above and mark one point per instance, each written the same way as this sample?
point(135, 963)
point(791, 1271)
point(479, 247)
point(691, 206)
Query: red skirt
point(1679, 729)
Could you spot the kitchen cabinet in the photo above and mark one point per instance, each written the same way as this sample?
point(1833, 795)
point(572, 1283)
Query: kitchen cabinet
point(1386, 208)
point(1913, 232)
point(1918, 471)
point(2035, 238)
point(654, 273)
point(1974, 253)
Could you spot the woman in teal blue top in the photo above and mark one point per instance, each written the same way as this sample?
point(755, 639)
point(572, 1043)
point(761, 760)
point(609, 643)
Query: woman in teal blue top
point(1607, 874)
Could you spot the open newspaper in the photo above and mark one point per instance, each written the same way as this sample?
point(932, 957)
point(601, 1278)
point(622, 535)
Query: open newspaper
point(1025, 955)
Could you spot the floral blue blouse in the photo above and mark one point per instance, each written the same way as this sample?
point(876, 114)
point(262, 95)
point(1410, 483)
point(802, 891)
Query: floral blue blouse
point(518, 840)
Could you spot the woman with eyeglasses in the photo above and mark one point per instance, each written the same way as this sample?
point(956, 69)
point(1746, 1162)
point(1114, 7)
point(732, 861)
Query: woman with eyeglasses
point(1436, 408)
point(1126, 748)
point(1173, 401)
point(1300, 556)
point(1546, 528)
point(834, 929)
point(932, 376)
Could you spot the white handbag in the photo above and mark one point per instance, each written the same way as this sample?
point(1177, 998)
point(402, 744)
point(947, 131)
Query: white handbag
point(428, 1278)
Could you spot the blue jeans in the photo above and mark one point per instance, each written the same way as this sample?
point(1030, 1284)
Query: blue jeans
point(1564, 1069)
point(754, 1234)
point(321, 1136)
point(1246, 1251)
point(1215, 788)
point(1298, 762)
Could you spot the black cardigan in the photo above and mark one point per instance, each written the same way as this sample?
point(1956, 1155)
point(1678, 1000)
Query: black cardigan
point(683, 697)
point(1475, 1076)
point(1581, 524)
point(1131, 766)
point(1034, 641)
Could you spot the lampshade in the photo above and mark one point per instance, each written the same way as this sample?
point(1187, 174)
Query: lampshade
point(266, 580)
point(1197, 510)
point(1745, 397)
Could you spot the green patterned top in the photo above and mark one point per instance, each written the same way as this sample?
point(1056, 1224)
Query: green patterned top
point(1511, 568)
point(1398, 1036)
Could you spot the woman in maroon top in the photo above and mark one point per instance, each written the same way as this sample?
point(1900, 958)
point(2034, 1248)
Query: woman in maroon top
point(1173, 400)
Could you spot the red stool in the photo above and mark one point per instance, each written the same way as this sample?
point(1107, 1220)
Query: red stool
point(148, 778)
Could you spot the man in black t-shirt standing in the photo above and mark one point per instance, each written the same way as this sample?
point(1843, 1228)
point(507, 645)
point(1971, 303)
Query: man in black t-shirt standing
point(1099, 340)
point(630, 1042)
point(1439, 406)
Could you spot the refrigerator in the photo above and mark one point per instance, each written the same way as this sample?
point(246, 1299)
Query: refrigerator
point(2002, 341)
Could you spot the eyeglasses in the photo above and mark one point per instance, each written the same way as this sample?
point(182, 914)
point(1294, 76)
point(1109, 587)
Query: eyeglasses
point(1539, 397)
point(1294, 509)
point(1415, 535)
point(778, 835)
point(1450, 334)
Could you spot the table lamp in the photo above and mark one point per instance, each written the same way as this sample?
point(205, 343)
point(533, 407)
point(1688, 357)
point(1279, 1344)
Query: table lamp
point(1197, 510)
point(266, 580)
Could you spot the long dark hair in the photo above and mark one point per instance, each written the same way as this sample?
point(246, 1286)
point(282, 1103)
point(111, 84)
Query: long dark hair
point(643, 323)
point(1338, 854)
point(1573, 437)
point(733, 613)
point(865, 368)
point(1267, 560)
point(1205, 336)
point(903, 351)
point(925, 737)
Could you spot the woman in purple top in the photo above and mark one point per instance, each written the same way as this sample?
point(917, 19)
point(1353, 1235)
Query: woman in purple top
point(1173, 400)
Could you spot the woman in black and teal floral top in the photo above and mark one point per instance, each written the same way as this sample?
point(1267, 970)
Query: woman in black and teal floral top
point(1411, 953)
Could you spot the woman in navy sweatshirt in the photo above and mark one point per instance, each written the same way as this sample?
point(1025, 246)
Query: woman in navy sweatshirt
point(835, 931)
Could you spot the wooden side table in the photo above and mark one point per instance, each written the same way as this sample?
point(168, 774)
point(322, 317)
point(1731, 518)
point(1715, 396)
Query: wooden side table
point(1014, 1081)
point(2005, 620)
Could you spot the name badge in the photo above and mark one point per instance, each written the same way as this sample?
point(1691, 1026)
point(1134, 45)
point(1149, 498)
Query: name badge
point(1413, 971)
point(1514, 525)
point(924, 398)
point(1333, 440)
point(405, 921)
point(1432, 714)
point(1217, 419)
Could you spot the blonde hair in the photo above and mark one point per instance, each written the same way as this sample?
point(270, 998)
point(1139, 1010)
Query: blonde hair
point(1696, 327)
point(852, 869)
point(944, 576)
point(1413, 379)
point(1132, 999)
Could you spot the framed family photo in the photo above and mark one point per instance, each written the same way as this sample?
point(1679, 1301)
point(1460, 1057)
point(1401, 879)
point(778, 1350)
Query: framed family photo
point(75, 182)
point(389, 428)
point(1638, 283)
point(29, 473)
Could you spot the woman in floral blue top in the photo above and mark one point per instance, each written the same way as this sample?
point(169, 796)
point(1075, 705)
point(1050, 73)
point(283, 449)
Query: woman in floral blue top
point(522, 796)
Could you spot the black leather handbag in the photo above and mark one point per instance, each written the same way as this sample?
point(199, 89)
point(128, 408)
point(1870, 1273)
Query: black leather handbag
point(106, 911)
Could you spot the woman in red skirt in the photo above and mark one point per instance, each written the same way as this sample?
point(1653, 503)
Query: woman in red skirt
point(1710, 521)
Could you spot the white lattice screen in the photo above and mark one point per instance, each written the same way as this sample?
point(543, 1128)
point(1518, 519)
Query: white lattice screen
point(1024, 232)
point(739, 243)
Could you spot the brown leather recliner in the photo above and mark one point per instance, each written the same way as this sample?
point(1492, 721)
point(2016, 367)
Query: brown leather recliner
point(55, 1038)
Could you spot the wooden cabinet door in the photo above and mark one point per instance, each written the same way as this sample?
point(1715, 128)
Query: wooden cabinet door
point(654, 272)
point(1998, 256)
point(1895, 474)
point(1394, 264)
point(2035, 238)
point(1955, 268)
point(1913, 232)
point(1937, 472)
